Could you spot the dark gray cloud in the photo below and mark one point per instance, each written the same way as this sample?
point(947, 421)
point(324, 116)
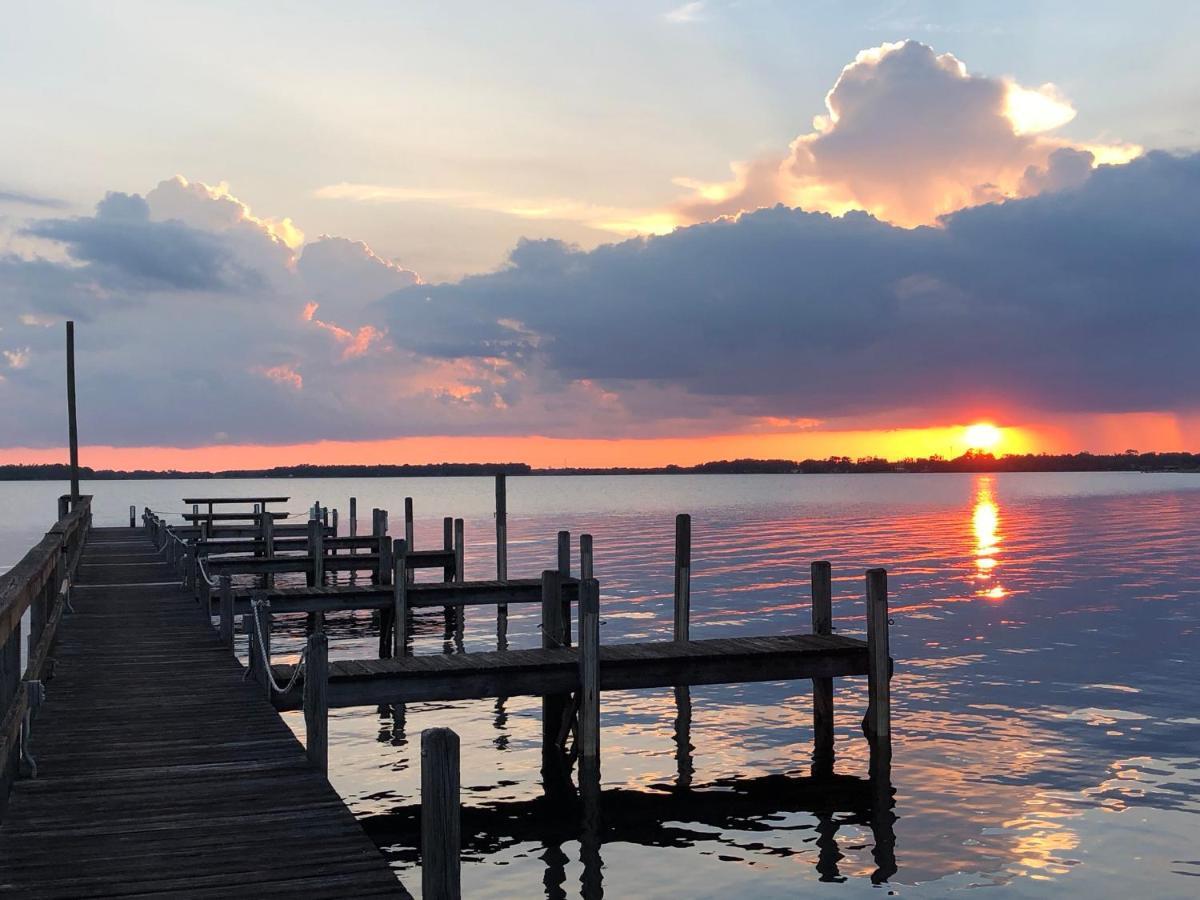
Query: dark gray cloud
point(1080, 300)
point(139, 253)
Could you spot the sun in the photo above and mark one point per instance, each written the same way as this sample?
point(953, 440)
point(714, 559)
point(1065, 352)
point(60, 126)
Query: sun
point(982, 436)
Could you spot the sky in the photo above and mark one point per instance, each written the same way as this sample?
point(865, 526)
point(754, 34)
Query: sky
point(597, 233)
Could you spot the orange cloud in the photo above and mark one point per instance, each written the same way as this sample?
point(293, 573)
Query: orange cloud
point(909, 135)
point(282, 374)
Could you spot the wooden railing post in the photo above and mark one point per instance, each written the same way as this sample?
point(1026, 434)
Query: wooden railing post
point(448, 545)
point(316, 701)
point(260, 650)
point(227, 610)
point(441, 837)
point(878, 724)
point(683, 576)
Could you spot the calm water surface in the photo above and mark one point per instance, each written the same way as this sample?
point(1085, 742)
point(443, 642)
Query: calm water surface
point(1046, 635)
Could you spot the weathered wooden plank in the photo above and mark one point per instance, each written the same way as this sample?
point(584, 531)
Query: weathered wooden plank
point(162, 772)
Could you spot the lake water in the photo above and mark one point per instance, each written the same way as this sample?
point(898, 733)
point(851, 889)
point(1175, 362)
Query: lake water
point(1045, 700)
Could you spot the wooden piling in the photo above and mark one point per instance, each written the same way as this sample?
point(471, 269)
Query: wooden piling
point(683, 576)
point(555, 773)
point(72, 427)
point(133, 517)
point(316, 701)
point(400, 599)
point(589, 670)
point(501, 528)
point(585, 556)
point(448, 544)
point(316, 549)
point(441, 836)
point(459, 552)
point(353, 519)
point(878, 724)
point(267, 527)
point(822, 623)
point(564, 572)
point(227, 610)
point(408, 521)
point(260, 645)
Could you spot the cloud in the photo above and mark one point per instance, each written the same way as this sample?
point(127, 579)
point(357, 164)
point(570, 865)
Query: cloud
point(908, 135)
point(20, 198)
point(688, 12)
point(1080, 300)
point(614, 219)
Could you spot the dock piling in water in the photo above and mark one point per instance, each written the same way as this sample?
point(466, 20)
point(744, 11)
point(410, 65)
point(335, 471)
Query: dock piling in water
point(316, 700)
point(821, 575)
point(683, 576)
point(441, 828)
point(879, 711)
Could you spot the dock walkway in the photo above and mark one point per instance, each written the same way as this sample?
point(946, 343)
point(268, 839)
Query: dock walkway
point(160, 771)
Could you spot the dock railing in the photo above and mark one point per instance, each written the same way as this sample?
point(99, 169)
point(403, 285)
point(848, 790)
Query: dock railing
point(39, 585)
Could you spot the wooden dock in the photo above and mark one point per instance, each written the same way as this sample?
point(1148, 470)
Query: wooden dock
point(511, 673)
point(160, 770)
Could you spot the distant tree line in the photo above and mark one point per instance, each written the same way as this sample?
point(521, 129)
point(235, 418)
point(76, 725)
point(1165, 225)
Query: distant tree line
point(971, 461)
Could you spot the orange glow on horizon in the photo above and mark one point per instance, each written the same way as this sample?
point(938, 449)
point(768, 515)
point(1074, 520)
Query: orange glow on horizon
point(774, 439)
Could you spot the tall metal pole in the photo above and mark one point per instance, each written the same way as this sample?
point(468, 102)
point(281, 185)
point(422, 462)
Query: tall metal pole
point(74, 432)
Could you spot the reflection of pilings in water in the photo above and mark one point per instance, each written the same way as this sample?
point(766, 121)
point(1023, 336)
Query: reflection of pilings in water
point(392, 718)
point(828, 854)
point(592, 879)
point(883, 818)
point(500, 722)
point(684, 767)
point(556, 872)
point(660, 818)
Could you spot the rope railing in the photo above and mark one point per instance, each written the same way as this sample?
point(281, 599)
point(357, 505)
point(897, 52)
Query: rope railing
point(256, 605)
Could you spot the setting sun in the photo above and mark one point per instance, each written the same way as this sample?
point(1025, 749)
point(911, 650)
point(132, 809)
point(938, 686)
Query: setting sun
point(982, 436)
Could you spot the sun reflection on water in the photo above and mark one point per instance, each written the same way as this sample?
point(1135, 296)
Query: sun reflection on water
point(985, 520)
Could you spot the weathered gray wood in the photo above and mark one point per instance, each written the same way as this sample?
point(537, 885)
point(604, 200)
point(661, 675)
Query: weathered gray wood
point(879, 706)
point(400, 587)
point(585, 557)
point(822, 623)
point(564, 554)
point(316, 701)
point(459, 552)
point(72, 427)
point(683, 576)
point(589, 670)
point(425, 595)
point(353, 517)
point(441, 836)
point(260, 644)
point(408, 522)
point(555, 670)
point(267, 524)
point(448, 545)
point(186, 784)
point(501, 556)
point(316, 551)
point(227, 610)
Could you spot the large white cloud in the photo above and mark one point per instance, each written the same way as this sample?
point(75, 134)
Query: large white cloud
point(908, 135)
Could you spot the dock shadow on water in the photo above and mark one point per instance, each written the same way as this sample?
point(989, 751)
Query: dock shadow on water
point(733, 820)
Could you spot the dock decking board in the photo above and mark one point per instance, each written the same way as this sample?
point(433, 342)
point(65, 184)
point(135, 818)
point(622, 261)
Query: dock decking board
point(556, 671)
point(129, 800)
